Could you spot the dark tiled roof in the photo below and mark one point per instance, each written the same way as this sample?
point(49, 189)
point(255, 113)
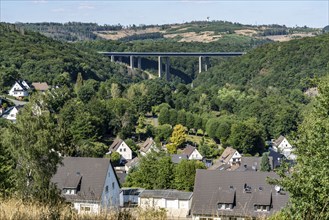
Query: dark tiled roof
point(166, 194)
point(132, 162)
point(209, 185)
point(252, 163)
point(116, 144)
point(121, 177)
point(147, 145)
point(188, 150)
point(176, 158)
point(132, 191)
point(91, 171)
point(277, 157)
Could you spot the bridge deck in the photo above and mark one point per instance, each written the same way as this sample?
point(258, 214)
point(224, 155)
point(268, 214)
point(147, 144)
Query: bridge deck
point(174, 54)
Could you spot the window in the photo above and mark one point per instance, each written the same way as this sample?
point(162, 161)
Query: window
point(124, 149)
point(109, 174)
point(112, 185)
point(120, 150)
point(225, 206)
point(84, 208)
point(262, 208)
point(106, 188)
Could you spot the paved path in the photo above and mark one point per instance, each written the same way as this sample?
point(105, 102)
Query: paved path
point(16, 102)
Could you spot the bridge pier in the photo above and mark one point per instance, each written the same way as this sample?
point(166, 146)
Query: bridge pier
point(206, 63)
point(139, 63)
point(112, 58)
point(160, 66)
point(167, 68)
point(131, 62)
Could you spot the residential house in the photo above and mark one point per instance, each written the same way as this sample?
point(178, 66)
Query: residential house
point(282, 145)
point(252, 164)
point(177, 203)
point(192, 153)
point(129, 196)
point(11, 113)
point(19, 89)
point(230, 159)
point(148, 146)
point(122, 148)
point(235, 195)
point(176, 158)
point(40, 86)
point(277, 158)
point(90, 184)
point(131, 163)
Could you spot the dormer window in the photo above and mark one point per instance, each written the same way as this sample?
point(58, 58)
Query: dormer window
point(262, 208)
point(68, 191)
point(225, 206)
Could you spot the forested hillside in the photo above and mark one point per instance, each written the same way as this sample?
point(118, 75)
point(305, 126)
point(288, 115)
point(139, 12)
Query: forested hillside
point(34, 57)
point(285, 65)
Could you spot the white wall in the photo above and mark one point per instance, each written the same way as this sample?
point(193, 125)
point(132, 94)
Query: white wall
point(195, 155)
point(175, 208)
point(125, 151)
point(111, 197)
point(14, 93)
point(94, 207)
point(12, 114)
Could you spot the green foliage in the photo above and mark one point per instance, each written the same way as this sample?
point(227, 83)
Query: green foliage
point(308, 183)
point(185, 174)
point(34, 142)
point(247, 136)
point(164, 116)
point(265, 163)
point(163, 132)
point(115, 158)
point(154, 171)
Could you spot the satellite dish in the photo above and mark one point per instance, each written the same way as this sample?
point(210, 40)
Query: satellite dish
point(277, 188)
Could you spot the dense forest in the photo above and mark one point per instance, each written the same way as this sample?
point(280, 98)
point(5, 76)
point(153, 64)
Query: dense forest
point(239, 102)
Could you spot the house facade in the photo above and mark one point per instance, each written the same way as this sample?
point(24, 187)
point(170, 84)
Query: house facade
point(230, 159)
point(148, 146)
point(129, 196)
point(90, 184)
point(19, 89)
point(282, 146)
point(11, 113)
point(177, 203)
point(122, 148)
point(192, 153)
point(235, 195)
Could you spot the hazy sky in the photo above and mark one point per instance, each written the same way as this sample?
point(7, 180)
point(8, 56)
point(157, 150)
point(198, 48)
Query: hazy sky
point(290, 13)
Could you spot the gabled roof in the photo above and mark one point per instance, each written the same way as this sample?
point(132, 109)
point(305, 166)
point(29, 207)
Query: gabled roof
point(277, 157)
point(252, 163)
point(176, 158)
point(250, 189)
point(116, 144)
point(278, 141)
point(188, 150)
point(227, 154)
point(40, 86)
point(20, 83)
point(90, 173)
point(147, 145)
point(166, 194)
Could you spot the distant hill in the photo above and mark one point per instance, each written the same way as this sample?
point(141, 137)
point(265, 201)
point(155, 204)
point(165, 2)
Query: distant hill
point(196, 31)
point(284, 65)
point(34, 57)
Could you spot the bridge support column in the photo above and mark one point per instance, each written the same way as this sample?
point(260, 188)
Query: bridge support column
point(112, 58)
point(200, 64)
point(167, 69)
point(131, 62)
point(139, 63)
point(206, 64)
point(160, 66)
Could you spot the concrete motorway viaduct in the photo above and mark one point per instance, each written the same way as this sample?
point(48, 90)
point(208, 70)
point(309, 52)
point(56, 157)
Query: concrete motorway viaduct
point(203, 58)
